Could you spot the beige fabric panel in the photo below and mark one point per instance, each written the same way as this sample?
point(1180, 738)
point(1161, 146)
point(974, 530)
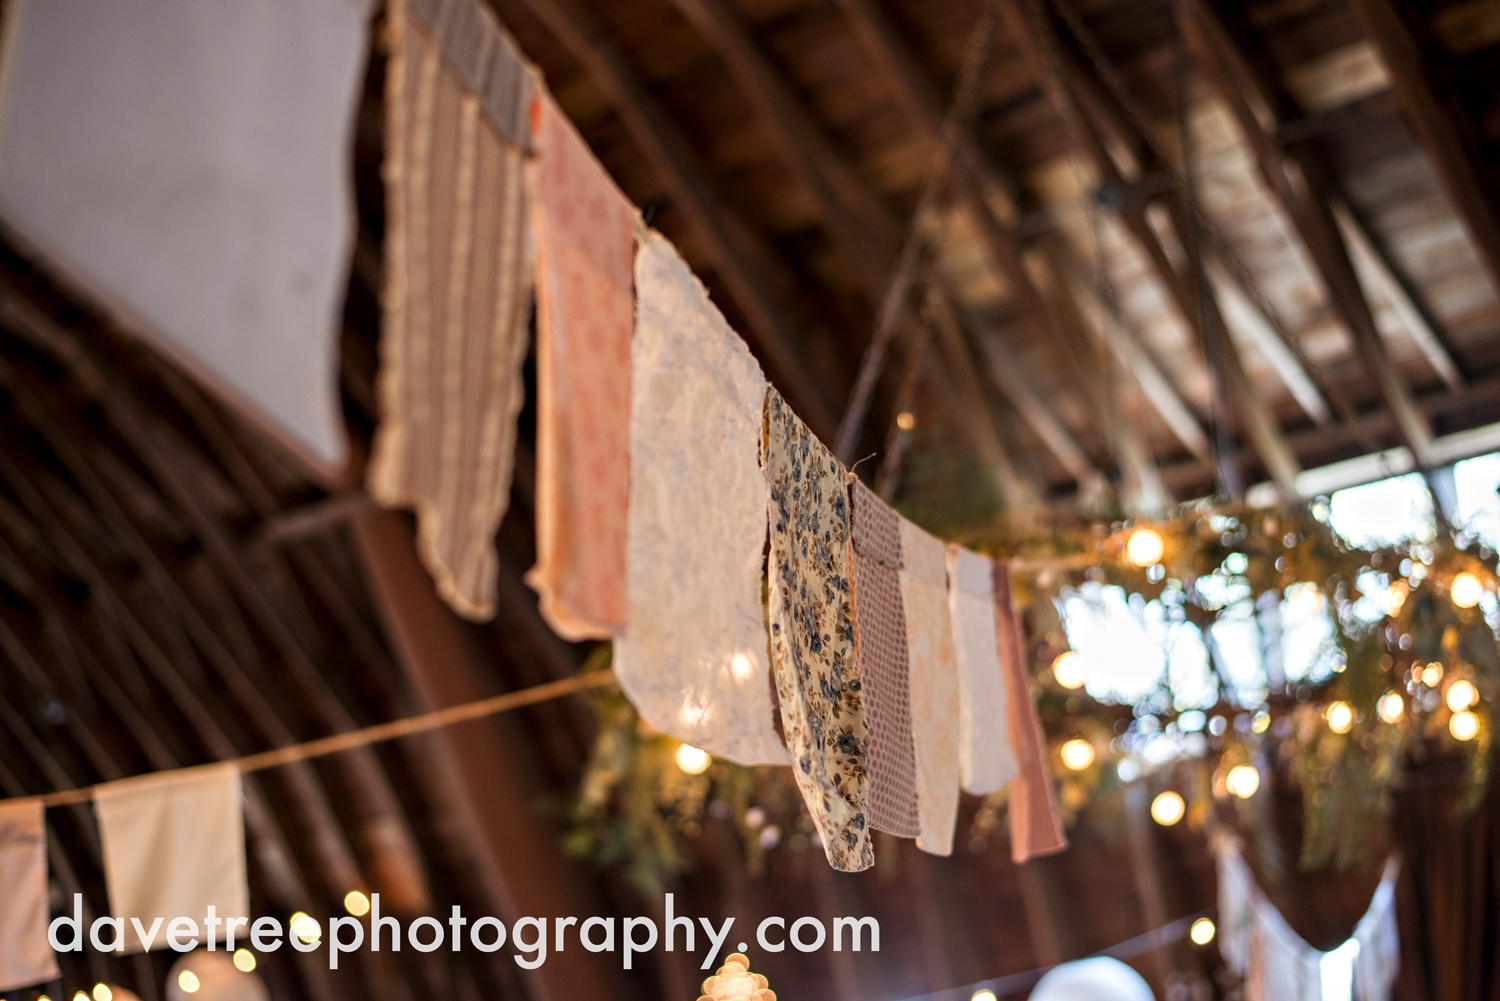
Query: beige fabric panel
point(455, 320)
point(174, 844)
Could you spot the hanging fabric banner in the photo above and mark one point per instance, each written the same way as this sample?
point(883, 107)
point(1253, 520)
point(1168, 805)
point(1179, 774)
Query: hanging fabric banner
point(458, 293)
point(934, 686)
point(1035, 825)
point(174, 844)
point(880, 633)
point(188, 163)
point(695, 662)
point(1276, 963)
point(585, 237)
point(986, 759)
point(1379, 958)
point(812, 635)
point(25, 956)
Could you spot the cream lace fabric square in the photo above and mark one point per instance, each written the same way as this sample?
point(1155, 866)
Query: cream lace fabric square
point(695, 660)
point(812, 635)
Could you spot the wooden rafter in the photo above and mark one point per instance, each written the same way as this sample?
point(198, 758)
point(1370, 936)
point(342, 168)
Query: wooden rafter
point(1074, 97)
point(987, 195)
point(1297, 182)
point(1411, 78)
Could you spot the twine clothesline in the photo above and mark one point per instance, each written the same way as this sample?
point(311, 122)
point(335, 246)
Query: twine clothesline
point(365, 736)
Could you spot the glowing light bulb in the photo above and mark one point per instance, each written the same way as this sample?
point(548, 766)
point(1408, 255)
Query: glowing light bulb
point(692, 760)
point(80, 996)
point(1068, 669)
point(983, 994)
point(906, 420)
point(102, 992)
point(1397, 597)
point(1461, 695)
point(356, 903)
point(244, 960)
point(1391, 707)
point(305, 927)
point(1340, 716)
point(1145, 547)
point(1242, 780)
point(1202, 931)
point(1466, 589)
point(1432, 674)
point(1078, 754)
point(188, 981)
point(1464, 725)
point(1168, 808)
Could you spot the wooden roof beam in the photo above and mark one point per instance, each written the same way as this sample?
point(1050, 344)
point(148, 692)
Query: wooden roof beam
point(1297, 183)
point(1398, 293)
point(1455, 163)
point(1019, 493)
point(1039, 43)
point(671, 157)
point(1093, 89)
point(986, 193)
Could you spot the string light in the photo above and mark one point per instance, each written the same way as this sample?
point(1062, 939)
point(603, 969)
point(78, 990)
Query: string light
point(305, 927)
point(80, 996)
point(1078, 754)
point(102, 992)
point(692, 760)
point(1391, 707)
point(1168, 808)
point(1461, 695)
point(244, 960)
point(1068, 669)
point(188, 981)
point(741, 667)
point(1242, 780)
point(1466, 589)
point(906, 420)
point(1145, 547)
point(983, 994)
point(734, 982)
point(1340, 717)
point(356, 903)
point(1202, 931)
point(1464, 725)
point(1432, 674)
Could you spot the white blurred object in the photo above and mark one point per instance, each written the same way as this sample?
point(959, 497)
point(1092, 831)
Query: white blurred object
point(1096, 979)
point(218, 979)
point(189, 162)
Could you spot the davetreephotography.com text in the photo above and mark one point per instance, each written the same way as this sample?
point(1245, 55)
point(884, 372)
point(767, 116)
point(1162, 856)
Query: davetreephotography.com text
point(529, 939)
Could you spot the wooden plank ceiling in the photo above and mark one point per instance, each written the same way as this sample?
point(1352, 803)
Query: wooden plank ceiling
point(1325, 168)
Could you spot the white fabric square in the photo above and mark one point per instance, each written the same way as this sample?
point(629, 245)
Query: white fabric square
point(25, 956)
point(188, 161)
point(694, 659)
point(987, 761)
point(174, 843)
